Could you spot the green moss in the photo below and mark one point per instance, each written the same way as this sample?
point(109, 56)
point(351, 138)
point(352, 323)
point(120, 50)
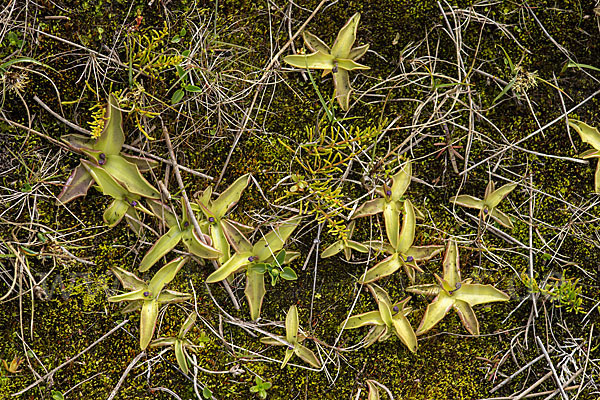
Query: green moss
point(447, 364)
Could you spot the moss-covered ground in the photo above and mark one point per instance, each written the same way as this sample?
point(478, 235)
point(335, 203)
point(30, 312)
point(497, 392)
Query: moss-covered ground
point(414, 87)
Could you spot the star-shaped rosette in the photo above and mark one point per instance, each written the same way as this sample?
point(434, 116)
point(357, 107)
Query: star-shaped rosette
point(105, 152)
point(293, 338)
point(149, 296)
point(340, 59)
point(487, 206)
point(452, 292)
point(246, 255)
point(180, 344)
point(404, 254)
point(388, 319)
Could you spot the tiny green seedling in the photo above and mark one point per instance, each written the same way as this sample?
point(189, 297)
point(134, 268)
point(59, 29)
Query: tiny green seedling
point(452, 292)
point(403, 254)
point(387, 320)
point(276, 270)
point(589, 135)
point(180, 344)
point(292, 339)
point(346, 245)
point(149, 296)
point(488, 205)
point(105, 153)
point(260, 388)
point(246, 255)
point(186, 86)
point(340, 59)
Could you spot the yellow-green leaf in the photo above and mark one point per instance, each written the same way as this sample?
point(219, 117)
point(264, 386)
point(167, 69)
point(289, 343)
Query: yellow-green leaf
point(407, 235)
point(129, 176)
point(162, 246)
point(115, 212)
point(148, 316)
point(165, 275)
point(386, 267)
point(345, 39)
point(341, 81)
point(401, 181)
point(314, 43)
point(291, 325)
point(391, 217)
point(237, 261)
point(230, 196)
point(370, 207)
point(467, 316)
point(255, 292)
point(316, 60)
point(589, 134)
point(273, 241)
point(307, 355)
point(112, 137)
point(435, 312)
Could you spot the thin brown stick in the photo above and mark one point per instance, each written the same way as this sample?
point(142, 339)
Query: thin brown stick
point(556, 378)
point(190, 212)
point(124, 375)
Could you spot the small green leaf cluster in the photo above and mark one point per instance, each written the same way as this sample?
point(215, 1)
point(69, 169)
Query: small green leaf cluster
point(339, 60)
point(564, 292)
point(260, 388)
point(276, 270)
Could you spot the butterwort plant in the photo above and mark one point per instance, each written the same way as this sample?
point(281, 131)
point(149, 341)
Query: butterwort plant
point(105, 152)
point(149, 296)
point(180, 344)
point(339, 60)
point(488, 206)
point(346, 244)
point(388, 319)
point(591, 136)
point(454, 293)
point(293, 340)
point(404, 254)
point(246, 255)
